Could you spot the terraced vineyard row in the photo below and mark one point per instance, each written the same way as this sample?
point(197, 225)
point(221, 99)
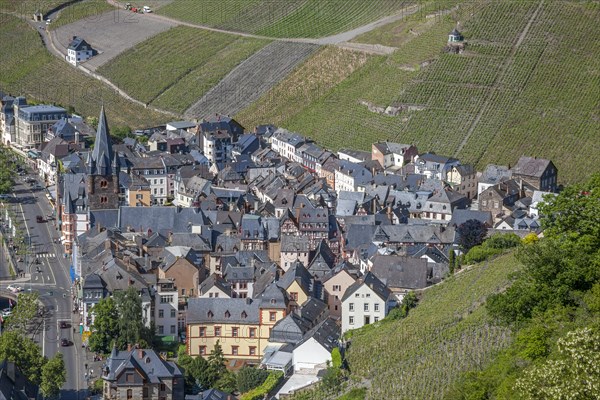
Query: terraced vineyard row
point(251, 79)
point(305, 18)
point(161, 62)
point(47, 79)
point(495, 102)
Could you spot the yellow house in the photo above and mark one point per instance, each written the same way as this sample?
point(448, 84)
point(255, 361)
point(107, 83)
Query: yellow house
point(138, 192)
point(297, 282)
point(242, 326)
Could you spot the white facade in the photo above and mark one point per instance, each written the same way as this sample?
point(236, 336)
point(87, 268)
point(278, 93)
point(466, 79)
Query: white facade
point(309, 355)
point(75, 57)
point(215, 292)
point(363, 307)
point(165, 312)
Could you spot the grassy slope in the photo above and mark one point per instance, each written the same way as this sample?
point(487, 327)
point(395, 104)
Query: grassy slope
point(305, 18)
point(306, 84)
point(86, 9)
point(525, 103)
point(28, 7)
point(47, 79)
point(193, 86)
point(174, 61)
point(448, 333)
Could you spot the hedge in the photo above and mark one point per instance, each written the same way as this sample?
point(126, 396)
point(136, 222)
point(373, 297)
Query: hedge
point(268, 385)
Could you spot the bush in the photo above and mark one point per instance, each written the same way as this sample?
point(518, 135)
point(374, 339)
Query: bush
point(503, 241)
point(268, 385)
point(336, 358)
point(480, 253)
point(249, 378)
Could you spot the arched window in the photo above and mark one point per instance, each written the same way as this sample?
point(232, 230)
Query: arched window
point(129, 393)
point(103, 184)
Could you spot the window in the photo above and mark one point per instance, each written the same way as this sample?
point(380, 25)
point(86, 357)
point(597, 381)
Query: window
point(129, 378)
point(294, 296)
point(103, 184)
point(163, 387)
point(272, 316)
point(234, 332)
point(376, 319)
point(145, 392)
point(202, 331)
point(217, 331)
point(366, 306)
point(172, 329)
point(368, 295)
point(202, 350)
point(351, 320)
point(337, 288)
point(173, 313)
point(252, 332)
point(103, 199)
point(351, 306)
point(357, 295)
point(183, 292)
point(252, 350)
point(376, 306)
point(161, 313)
point(161, 330)
point(234, 350)
point(166, 299)
point(129, 393)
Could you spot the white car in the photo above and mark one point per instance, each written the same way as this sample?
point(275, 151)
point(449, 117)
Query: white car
point(48, 21)
point(147, 9)
point(14, 289)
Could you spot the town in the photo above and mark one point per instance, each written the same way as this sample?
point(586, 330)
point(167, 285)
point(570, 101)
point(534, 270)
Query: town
point(254, 244)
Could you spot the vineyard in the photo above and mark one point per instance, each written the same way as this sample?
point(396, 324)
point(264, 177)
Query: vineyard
point(175, 60)
point(527, 81)
point(305, 84)
point(86, 10)
point(284, 19)
point(28, 7)
point(47, 79)
point(251, 79)
point(448, 333)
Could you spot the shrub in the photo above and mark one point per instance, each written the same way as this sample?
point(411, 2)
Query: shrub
point(249, 378)
point(336, 358)
point(268, 385)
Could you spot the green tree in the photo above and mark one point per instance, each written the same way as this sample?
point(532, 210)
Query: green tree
point(451, 261)
point(227, 382)
point(24, 352)
point(105, 328)
point(24, 317)
point(248, 378)
point(54, 376)
point(216, 365)
point(129, 306)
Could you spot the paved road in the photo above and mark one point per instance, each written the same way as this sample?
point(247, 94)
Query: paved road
point(54, 286)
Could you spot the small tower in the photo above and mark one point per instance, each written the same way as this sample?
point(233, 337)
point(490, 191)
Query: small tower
point(103, 170)
point(456, 42)
point(455, 37)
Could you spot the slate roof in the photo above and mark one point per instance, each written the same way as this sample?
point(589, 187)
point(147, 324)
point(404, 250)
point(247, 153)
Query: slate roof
point(14, 385)
point(358, 235)
point(292, 243)
point(531, 166)
point(220, 310)
point(327, 334)
point(400, 272)
point(493, 174)
point(372, 282)
point(407, 233)
point(293, 328)
point(64, 129)
point(459, 217)
point(101, 158)
point(79, 44)
point(146, 361)
point(322, 261)
point(273, 297)
point(357, 154)
point(296, 273)
point(217, 281)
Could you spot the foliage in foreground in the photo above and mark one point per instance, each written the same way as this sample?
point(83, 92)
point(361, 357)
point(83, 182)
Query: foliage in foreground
point(553, 306)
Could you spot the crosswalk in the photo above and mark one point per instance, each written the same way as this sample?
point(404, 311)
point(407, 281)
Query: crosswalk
point(45, 255)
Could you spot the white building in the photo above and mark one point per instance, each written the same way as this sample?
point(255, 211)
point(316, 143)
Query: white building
point(166, 302)
point(79, 51)
point(285, 144)
point(350, 177)
point(366, 301)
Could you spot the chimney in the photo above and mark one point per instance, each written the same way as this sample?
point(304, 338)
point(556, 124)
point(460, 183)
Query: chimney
point(128, 346)
point(74, 37)
point(140, 354)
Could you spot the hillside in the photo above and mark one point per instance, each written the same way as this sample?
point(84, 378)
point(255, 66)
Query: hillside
point(527, 81)
point(447, 334)
point(282, 19)
point(47, 79)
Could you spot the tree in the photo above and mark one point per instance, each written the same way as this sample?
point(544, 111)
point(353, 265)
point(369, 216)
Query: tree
point(249, 378)
point(25, 314)
point(105, 328)
point(129, 306)
point(471, 233)
point(574, 375)
point(54, 376)
point(227, 382)
point(451, 261)
point(216, 365)
point(24, 352)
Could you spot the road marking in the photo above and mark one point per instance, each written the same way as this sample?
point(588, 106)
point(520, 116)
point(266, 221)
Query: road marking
point(48, 277)
point(36, 278)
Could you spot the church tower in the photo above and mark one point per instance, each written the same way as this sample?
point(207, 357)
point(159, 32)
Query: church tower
point(103, 170)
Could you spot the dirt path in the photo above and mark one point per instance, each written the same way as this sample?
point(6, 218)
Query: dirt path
point(508, 61)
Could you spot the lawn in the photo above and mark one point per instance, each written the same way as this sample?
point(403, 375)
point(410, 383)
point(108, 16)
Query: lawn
point(304, 18)
point(172, 59)
point(87, 9)
point(47, 79)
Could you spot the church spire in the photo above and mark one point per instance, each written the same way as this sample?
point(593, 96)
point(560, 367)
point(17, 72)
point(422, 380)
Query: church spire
point(102, 155)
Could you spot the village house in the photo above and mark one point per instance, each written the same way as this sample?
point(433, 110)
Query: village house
point(539, 173)
point(335, 285)
point(463, 179)
point(393, 154)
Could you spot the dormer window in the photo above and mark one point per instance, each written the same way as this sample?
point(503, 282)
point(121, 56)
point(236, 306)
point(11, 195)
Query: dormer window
point(210, 314)
point(244, 315)
point(227, 314)
point(273, 301)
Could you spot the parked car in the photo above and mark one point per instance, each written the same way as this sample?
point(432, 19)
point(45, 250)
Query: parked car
point(64, 325)
point(147, 9)
point(14, 289)
point(39, 219)
point(48, 21)
point(65, 342)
